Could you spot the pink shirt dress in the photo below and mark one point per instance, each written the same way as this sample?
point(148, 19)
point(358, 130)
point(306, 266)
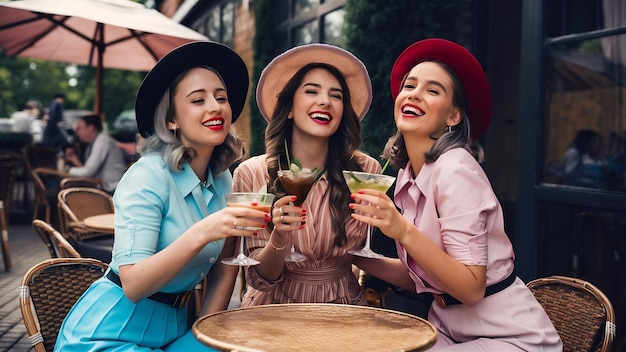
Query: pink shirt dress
point(451, 201)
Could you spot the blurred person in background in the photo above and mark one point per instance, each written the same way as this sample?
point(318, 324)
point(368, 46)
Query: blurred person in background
point(23, 121)
point(103, 158)
point(53, 134)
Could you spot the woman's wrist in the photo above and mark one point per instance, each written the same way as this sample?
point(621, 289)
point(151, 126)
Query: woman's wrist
point(277, 241)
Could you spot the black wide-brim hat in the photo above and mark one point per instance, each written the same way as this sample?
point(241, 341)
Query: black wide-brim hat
point(218, 56)
point(463, 63)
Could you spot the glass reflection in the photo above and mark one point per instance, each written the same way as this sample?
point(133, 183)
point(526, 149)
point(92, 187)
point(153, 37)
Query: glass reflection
point(301, 6)
point(305, 34)
point(333, 23)
point(228, 20)
point(585, 243)
point(213, 24)
point(585, 139)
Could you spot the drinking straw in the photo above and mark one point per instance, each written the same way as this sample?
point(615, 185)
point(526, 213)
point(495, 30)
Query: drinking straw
point(354, 177)
point(385, 167)
point(287, 152)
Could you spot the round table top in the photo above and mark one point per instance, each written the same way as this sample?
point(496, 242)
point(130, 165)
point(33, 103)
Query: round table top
point(314, 327)
point(102, 222)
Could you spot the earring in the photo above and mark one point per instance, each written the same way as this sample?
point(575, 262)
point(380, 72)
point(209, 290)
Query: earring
point(174, 128)
point(448, 129)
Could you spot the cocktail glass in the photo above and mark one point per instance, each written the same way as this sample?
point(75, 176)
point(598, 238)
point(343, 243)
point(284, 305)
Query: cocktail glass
point(259, 201)
point(363, 180)
point(299, 185)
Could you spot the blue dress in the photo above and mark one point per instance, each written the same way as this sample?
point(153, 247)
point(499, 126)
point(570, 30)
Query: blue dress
point(153, 207)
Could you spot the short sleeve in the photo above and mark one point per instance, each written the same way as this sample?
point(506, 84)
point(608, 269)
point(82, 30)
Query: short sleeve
point(464, 200)
point(139, 207)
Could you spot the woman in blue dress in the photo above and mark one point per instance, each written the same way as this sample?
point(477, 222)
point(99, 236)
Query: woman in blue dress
point(172, 226)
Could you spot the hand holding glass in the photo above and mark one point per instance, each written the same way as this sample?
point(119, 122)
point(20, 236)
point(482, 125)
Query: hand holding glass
point(258, 201)
point(299, 185)
point(362, 180)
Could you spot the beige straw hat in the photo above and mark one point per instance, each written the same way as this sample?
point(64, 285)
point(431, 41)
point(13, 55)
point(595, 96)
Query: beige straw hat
point(283, 67)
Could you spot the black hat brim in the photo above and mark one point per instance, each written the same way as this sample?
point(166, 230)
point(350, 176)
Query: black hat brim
point(223, 59)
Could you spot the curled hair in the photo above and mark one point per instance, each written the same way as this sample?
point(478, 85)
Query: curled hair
point(457, 137)
point(167, 143)
point(343, 153)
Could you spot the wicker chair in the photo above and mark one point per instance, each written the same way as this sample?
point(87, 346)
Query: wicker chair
point(8, 168)
point(46, 182)
point(581, 313)
point(38, 155)
point(57, 245)
point(76, 204)
point(48, 291)
point(72, 181)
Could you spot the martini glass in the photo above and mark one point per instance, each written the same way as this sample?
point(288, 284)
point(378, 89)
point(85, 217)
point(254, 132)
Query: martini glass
point(298, 184)
point(258, 201)
point(362, 180)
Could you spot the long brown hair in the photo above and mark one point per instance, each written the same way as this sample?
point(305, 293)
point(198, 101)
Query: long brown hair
point(343, 153)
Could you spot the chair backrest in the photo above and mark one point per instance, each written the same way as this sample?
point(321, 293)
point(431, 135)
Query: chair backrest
point(581, 313)
point(78, 203)
point(57, 244)
point(49, 290)
point(38, 155)
point(8, 170)
point(72, 181)
point(46, 183)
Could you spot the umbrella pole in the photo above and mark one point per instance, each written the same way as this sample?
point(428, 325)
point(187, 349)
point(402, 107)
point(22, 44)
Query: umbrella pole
point(99, 68)
point(98, 100)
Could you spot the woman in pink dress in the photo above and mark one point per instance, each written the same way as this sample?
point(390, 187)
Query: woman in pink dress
point(449, 232)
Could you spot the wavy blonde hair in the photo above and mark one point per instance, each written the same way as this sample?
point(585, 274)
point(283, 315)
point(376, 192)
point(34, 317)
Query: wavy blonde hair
point(167, 143)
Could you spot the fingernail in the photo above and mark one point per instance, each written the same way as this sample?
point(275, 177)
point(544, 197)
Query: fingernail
point(351, 205)
point(360, 191)
point(353, 196)
point(294, 198)
point(303, 211)
point(302, 227)
point(267, 216)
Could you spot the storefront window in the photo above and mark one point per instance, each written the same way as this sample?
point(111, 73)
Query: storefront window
point(220, 23)
point(302, 6)
point(333, 23)
point(585, 243)
point(305, 34)
point(585, 106)
point(299, 22)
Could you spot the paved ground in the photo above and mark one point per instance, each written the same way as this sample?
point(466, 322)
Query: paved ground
point(26, 251)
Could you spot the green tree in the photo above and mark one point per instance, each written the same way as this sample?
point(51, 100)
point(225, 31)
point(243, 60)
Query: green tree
point(23, 79)
point(119, 88)
point(377, 31)
point(263, 54)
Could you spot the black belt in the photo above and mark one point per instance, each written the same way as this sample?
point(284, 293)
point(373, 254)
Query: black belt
point(444, 299)
point(171, 299)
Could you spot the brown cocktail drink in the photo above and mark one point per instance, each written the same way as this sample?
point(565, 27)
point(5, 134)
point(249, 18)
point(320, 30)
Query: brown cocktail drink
point(297, 184)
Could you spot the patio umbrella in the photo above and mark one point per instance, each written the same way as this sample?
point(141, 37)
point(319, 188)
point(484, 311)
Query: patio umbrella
point(102, 33)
